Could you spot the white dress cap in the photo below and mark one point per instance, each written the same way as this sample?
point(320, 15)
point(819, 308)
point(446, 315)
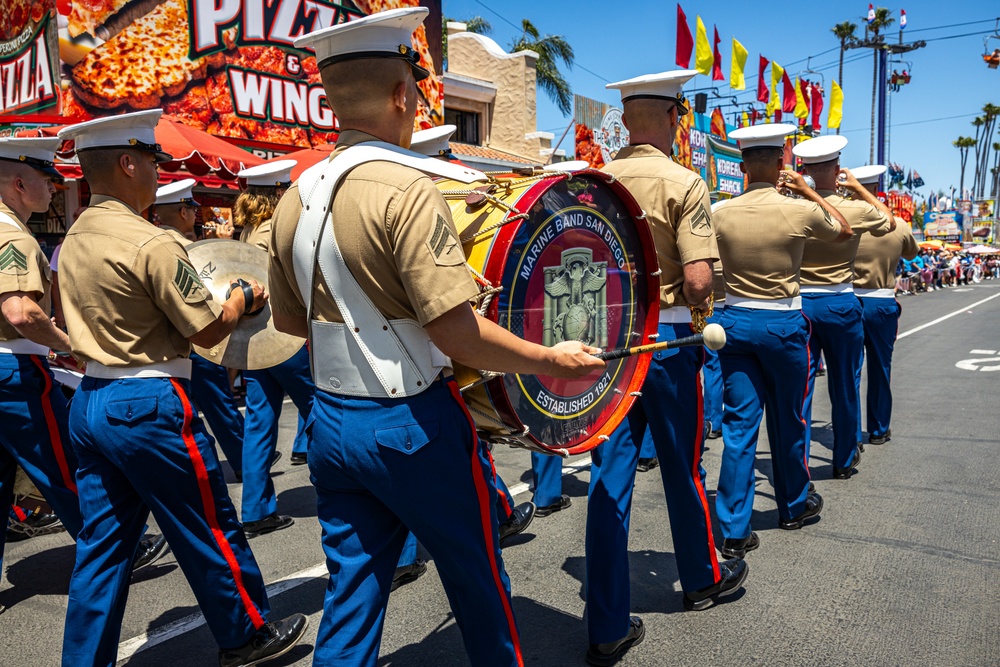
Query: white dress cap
point(433, 142)
point(664, 86)
point(769, 135)
point(569, 165)
point(276, 174)
point(382, 35)
point(820, 149)
point(131, 130)
point(869, 173)
point(178, 192)
point(37, 152)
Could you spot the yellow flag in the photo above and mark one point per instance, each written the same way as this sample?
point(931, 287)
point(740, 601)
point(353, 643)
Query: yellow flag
point(836, 106)
point(703, 59)
point(746, 119)
point(801, 108)
point(736, 79)
point(774, 104)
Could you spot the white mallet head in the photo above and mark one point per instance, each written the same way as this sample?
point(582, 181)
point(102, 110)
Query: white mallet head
point(714, 336)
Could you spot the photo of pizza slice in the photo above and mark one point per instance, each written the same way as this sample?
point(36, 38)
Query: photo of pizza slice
point(87, 15)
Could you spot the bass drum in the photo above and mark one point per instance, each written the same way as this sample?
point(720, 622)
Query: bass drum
point(558, 256)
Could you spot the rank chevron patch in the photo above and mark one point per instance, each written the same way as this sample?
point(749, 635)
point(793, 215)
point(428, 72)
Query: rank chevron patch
point(188, 283)
point(13, 260)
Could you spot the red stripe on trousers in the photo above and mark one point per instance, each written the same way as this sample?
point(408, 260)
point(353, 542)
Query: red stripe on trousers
point(479, 480)
point(696, 475)
point(209, 502)
point(53, 427)
point(503, 496)
point(805, 395)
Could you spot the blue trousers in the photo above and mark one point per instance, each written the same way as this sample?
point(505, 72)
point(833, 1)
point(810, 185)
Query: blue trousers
point(214, 399)
point(34, 435)
point(670, 410)
point(837, 332)
point(381, 466)
point(547, 473)
point(880, 318)
point(142, 449)
point(504, 503)
point(765, 364)
point(266, 390)
point(712, 373)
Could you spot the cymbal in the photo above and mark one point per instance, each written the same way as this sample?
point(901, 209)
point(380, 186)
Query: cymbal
point(255, 343)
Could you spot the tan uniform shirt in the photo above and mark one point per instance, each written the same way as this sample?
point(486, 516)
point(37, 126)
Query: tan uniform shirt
point(833, 264)
point(183, 240)
point(390, 221)
point(130, 295)
point(762, 235)
point(678, 211)
point(875, 264)
point(23, 267)
point(259, 236)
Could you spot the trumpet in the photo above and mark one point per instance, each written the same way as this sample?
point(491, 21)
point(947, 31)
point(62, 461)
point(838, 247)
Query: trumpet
point(783, 188)
point(842, 189)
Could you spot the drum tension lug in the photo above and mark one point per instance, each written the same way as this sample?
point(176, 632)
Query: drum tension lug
point(637, 394)
point(603, 438)
point(657, 272)
point(653, 336)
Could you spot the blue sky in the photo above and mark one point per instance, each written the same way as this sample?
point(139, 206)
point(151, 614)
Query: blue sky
point(950, 82)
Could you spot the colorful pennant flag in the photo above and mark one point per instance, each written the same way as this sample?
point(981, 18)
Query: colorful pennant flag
point(801, 103)
point(762, 93)
point(917, 181)
point(685, 43)
point(717, 74)
point(703, 58)
point(774, 102)
point(787, 94)
point(871, 13)
point(836, 106)
point(745, 120)
point(737, 81)
point(902, 19)
point(816, 105)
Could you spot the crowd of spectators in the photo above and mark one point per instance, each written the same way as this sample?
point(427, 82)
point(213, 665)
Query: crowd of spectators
point(941, 269)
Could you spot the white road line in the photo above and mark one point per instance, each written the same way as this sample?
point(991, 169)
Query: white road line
point(982, 352)
point(946, 317)
point(129, 648)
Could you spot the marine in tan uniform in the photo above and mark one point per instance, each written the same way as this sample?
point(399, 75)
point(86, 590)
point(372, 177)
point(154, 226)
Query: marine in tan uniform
point(678, 209)
point(373, 449)
point(177, 210)
point(875, 285)
point(828, 300)
point(134, 305)
point(762, 235)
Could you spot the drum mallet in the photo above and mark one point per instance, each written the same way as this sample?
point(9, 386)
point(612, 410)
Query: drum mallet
point(713, 337)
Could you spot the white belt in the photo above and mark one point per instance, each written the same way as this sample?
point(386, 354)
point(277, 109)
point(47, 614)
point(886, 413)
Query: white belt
point(23, 346)
point(873, 293)
point(675, 315)
point(842, 288)
point(790, 303)
point(175, 368)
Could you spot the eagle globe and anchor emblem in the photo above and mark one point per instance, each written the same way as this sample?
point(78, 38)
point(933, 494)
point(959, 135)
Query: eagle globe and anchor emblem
point(576, 300)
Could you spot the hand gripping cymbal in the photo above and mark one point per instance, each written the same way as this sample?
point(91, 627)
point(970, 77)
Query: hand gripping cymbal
point(255, 343)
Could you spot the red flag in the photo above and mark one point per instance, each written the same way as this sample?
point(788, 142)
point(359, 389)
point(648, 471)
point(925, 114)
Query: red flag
point(685, 42)
point(717, 66)
point(777, 115)
point(788, 94)
point(817, 106)
point(763, 94)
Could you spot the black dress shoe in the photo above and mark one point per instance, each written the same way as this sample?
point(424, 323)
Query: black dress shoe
point(739, 548)
point(846, 473)
point(239, 473)
point(603, 655)
point(880, 439)
point(645, 465)
point(557, 506)
point(715, 435)
point(408, 573)
point(150, 550)
point(299, 458)
point(520, 518)
point(812, 488)
point(33, 526)
point(814, 505)
point(272, 640)
point(734, 572)
point(268, 524)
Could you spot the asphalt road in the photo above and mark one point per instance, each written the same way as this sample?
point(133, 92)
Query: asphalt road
point(902, 569)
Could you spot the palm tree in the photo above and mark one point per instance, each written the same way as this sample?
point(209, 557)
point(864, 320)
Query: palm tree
point(882, 20)
point(990, 114)
point(995, 190)
point(476, 24)
point(550, 50)
point(978, 122)
point(845, 33)
point(963, 144)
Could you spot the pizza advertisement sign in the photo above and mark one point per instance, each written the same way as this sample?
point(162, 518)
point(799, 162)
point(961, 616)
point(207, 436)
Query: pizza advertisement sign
point(29, 57)
point(228, 67)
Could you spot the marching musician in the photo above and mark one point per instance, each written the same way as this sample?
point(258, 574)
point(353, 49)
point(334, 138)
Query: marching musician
point(875, 286)
point(177, 208)
point(386, 418)
point(764, 364)
point(676, 204)
point(134, 305)
point(828, 296)
point(33, 410)
point(266, 387)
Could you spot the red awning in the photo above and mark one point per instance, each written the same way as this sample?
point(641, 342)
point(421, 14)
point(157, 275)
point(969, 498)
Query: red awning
point(73, 172)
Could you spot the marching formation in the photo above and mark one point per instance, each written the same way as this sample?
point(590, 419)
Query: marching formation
point(366, 264)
